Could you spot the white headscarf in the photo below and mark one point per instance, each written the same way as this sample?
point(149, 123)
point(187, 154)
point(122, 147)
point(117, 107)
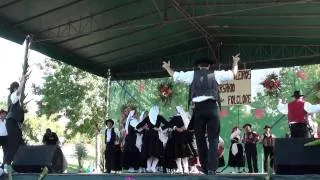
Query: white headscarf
point(153, 114)
point(184, 116)
point(141, 116)
point(131, 113)
point(234, 147)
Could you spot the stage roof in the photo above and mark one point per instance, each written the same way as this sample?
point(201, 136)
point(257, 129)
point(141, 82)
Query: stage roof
point(132, 37)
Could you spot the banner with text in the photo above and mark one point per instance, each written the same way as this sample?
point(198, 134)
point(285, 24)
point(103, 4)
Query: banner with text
point(237, 91)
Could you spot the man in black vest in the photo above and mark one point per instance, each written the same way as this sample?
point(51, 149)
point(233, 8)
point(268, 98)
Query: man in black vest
point(205, 94)
point(110, 153)
point(14, 119)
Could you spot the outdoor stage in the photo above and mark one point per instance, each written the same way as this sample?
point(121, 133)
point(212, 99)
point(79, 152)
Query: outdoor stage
point(161, 177)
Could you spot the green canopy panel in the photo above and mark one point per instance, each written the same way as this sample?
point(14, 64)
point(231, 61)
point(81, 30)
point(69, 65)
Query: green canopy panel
point(133, 37)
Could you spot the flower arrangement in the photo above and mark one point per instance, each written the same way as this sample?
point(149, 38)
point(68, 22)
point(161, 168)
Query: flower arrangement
point(272, 84)
point(126, 108)
point(165, 91)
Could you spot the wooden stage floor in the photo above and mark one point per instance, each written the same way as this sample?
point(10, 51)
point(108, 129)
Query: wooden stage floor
point(161, 177)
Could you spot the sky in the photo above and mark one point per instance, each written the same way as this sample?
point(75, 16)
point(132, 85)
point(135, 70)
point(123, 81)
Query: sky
point(11, 58)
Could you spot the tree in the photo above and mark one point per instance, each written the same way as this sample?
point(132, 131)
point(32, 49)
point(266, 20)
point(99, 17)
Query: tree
point(34, 127)
point(77, 94)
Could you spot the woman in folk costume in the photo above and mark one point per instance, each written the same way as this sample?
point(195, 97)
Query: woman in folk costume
point(140, 132)
point(152, 147)
point(169, 157)
point(236, 157)
point(221, 152)
point(181, 149)
point(130, 151)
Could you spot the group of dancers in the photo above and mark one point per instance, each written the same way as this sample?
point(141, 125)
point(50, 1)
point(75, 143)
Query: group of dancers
point(150, 143)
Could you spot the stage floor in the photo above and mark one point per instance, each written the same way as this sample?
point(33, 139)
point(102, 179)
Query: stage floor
point(161, 177)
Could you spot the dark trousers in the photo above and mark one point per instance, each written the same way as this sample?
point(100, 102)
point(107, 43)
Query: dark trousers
point(14, 139)
point(110, 155)
point(299, 130)
point(252, 157)
point(4, 144)
point(268, 153)
point(207, 120)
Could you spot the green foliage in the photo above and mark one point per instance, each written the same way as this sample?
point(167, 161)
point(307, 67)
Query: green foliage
point(34, 127)
point(3, 104)
point(81, 153)
point(80, 95)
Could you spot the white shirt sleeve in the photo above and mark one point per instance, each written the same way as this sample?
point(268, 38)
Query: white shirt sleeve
point(221, 141)
point(311, 108)
point(14, 98)
point(222, 76)
point(184, 77)
point(283, 108)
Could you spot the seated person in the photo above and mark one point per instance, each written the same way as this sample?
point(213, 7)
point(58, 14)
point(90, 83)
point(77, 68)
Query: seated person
point(50, 138)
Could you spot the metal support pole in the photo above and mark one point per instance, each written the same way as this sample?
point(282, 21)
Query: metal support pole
point(108, 84)
point(99, 143)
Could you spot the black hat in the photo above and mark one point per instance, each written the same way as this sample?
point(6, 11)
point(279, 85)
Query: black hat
point(203, 60)
point(246, 125)
point(266, 126)
point(14, 85)
point(297, 94)
point(109, 120)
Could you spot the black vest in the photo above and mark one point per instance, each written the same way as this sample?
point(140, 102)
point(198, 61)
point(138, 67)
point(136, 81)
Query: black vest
point(15, 111)
point(204, 84)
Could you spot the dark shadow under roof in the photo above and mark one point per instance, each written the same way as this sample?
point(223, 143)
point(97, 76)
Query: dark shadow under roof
point(133, 37)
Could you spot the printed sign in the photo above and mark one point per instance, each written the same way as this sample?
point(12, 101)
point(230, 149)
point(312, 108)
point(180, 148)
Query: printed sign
point(237, 91)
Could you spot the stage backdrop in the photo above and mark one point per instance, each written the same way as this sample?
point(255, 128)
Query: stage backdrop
point(237, 91)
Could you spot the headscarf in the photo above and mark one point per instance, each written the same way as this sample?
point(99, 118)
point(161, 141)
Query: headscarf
point(185, 117)
point(130, 115)
point(153, 114)
point(141, 116)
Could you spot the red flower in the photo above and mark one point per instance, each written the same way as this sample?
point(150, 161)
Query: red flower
point(301, 74)
point(224, 113)
point(141, 87)
point(259, 113)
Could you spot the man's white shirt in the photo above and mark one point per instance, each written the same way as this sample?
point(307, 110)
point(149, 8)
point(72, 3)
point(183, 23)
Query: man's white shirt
point(3, 129)
point(309, 108)
point(187, 78)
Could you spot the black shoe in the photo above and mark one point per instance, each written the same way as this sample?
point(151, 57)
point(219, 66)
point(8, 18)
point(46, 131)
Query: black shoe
point(202, 170)
point(212, 173)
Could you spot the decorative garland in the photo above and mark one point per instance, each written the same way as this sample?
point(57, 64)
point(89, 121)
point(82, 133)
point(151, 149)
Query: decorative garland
point(271, 84)
point(165, 91)
point(124, 112)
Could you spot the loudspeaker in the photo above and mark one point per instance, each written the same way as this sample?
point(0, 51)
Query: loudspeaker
point(31, 159)
point(291, 157)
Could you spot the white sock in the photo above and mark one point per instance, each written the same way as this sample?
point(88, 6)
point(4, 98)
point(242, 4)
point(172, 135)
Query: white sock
point(178, 162)
point(185, 165)
point(149, 162)
point(154, 164)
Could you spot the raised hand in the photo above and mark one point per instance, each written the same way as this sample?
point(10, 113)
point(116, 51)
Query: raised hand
point(236, 58)
point(166, 65)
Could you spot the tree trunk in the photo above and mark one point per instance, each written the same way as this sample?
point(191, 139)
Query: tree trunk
point(25, 68)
